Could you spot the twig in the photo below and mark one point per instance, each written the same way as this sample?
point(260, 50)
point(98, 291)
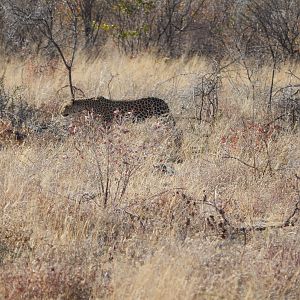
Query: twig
point(109, 82)
point(294, 75)
point(74, 87)
point(219, 210)
point(227, 229)
point(132, 216)
point(241, 161)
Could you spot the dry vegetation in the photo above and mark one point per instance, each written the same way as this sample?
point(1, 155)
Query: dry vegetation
point(88, 214)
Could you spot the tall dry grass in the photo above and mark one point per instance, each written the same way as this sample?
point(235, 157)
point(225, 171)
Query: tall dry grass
point(153, 238)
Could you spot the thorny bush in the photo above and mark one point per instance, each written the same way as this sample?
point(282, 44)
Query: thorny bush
point(115, 154)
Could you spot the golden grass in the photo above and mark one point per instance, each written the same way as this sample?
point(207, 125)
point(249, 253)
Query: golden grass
point(154, 241)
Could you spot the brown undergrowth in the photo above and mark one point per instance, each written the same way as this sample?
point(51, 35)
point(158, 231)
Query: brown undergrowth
point(89, 212)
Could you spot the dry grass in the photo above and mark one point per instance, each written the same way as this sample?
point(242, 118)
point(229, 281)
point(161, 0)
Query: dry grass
point(153, 238)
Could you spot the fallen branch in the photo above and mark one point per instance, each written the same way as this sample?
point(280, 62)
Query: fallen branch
point(227, 229)
point(241, 161)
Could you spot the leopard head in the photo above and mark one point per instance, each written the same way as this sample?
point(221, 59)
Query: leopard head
point(71, 108)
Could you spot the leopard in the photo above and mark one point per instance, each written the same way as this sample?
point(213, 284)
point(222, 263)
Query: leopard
point(111, 111)
point(139, 109)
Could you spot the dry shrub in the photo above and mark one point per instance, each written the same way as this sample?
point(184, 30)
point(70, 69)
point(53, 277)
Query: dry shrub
point(45, 276)
point(162, 276)
point(213, 270)
point(94, 212)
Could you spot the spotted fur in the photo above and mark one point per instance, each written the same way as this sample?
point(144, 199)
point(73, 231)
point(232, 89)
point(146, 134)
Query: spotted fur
point(139, 109)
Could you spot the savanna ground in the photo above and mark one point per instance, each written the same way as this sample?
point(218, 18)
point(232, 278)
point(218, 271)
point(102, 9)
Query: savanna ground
point(128, 214)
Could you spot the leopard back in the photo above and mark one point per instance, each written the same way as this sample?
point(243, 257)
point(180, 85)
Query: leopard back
point(140, 109)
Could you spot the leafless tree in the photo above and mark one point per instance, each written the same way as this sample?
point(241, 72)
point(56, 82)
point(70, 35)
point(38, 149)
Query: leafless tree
point(91, 13)
point(56, 21)
point(276, 24)
point(140, 25)
point(260, 28)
